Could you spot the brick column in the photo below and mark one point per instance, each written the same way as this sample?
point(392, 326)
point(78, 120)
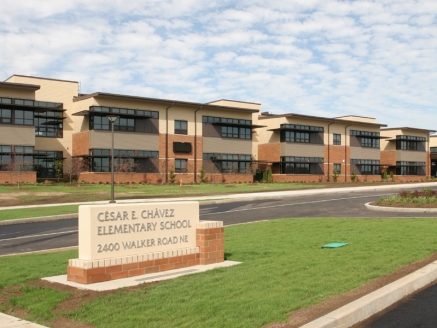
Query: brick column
point(210, 240)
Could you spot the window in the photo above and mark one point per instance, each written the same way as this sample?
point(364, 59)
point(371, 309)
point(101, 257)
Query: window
point(337, 139)
point(45, 163)
point(180, 127)
point(367, 166)
point(124, 153)
point(147, 153)
point(101, 164)
point(121, 124)
point(292, 136)
point(433, 150)
point(5, 116)
point(48, 127)
point(23, 149)
point(5, 161)
point(180, 165)
point(337, 168)
point(229, 132)
point(230, 163)
point(406, 145)
point(298, 165)
point(23, 117)
point(410, 168)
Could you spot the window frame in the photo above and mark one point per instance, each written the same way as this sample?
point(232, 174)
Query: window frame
point(180, 127)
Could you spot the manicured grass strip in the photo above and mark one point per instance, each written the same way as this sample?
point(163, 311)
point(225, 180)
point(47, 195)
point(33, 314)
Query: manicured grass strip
point(283, 269)
point(39, 302)
point(19, 269)
point(37, 212)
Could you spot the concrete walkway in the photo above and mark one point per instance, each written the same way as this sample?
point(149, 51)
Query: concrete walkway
point(344, 317)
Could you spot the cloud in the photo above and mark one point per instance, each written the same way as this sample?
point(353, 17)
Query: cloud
point(326, 58)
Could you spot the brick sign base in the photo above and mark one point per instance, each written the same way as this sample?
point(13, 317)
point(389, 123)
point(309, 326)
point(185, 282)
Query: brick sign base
point(209, 249)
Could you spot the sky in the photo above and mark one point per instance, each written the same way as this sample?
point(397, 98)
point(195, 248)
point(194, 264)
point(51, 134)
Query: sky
point(314, 57)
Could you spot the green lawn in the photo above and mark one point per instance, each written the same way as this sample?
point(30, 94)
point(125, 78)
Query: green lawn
point(284, 269)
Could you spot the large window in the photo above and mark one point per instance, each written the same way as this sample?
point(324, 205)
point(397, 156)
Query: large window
point(410, 168)
point(229, 163)
point(236, 132)
point(231, 127)
point(46, 162)
point(23, 117)
point(49, 124)
point(298, 165)
point(101, 164)
point(367, 166)
point(408, 142)
point(367, 138)
point(121, 124)
point(180, 127)
point(124, 160)
point(293, 136)
point(181, 165)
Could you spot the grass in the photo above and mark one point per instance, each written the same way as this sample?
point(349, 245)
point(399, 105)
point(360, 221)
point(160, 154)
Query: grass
point(39, 302)
point(20, 269)
point(37, 212)
point(283, 269)
point(425, 197)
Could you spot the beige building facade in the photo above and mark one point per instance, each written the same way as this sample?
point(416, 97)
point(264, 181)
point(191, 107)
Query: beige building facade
point(49, 130)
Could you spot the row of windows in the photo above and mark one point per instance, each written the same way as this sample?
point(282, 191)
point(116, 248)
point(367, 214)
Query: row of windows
point(125, 111)
point(236, 132)
point(31, 103)
point(212, 119)
point(213, 156)
point(121, 124)
point(404, 137)
point(404, 163)
point(364, 133)
point(291, 136)
point(365, 161)
point(124, 153)
point(294, 168)
point(433, 149)
point(406, 145)
point(18, 117)
point(369, 142)
point(302, 127)
point(17, 149)
point(302, 159)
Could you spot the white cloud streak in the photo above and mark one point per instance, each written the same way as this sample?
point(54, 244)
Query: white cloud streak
point(327, 58)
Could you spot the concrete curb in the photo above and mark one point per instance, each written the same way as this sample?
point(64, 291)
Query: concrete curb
point(376, 301)
point(397, 209)
point(7, 321)
point(40, 219)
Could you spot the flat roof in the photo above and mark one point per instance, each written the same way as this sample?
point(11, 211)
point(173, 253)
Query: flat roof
point(164, 101)
point(409, 128)
point(237, 101)
point(20, 85)
point(40, 78)
point(329, 119)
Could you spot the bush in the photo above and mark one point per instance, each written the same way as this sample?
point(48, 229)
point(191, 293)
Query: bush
point(335, 175)
point(269, 175)
point(202, 176)
point(353, 176)
point(171, 176)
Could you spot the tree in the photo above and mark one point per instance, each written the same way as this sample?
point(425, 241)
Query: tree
point(74, 167)
point(335, 175)
point(126, 166)
point(58, 163)
point(202, 175)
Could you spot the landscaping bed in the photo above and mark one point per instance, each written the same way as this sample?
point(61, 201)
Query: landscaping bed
point(426, 198)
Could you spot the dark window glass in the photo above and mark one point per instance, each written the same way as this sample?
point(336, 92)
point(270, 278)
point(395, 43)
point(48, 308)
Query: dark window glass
point(337, 167)
point(100, 164)
point(180, 165)
point(23, 117)
point(337, 139)
point(180, 127)
point(5, 116)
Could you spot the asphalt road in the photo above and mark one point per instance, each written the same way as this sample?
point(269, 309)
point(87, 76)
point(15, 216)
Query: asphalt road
point(418, 310)
point(31, 237)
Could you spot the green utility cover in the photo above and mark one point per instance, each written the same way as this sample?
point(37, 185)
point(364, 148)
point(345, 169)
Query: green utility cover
point(334, 245)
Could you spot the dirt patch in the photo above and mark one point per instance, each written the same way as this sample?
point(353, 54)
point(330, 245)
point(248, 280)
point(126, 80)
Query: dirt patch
point(303, 316)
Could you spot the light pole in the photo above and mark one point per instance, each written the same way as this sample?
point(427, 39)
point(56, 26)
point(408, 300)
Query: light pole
point(112, 118)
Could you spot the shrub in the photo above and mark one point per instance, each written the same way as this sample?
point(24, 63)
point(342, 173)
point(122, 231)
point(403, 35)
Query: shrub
point(384, 176)
point(202, 176)
point(335, 175)
point(269, 175)
point(391, 176)
point(353, 176)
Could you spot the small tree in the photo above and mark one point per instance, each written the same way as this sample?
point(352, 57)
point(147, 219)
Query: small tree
point(269, 175)
point(353, 176)
point(335, 175)
point(264, 176)
point(202, 175)
point(126, 166)
point(171, 175)
point(391, 176)
point(59, 163)
point(384, 176)
point(74, 167)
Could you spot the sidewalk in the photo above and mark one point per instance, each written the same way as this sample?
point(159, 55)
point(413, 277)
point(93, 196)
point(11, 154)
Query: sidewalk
point(344, 317)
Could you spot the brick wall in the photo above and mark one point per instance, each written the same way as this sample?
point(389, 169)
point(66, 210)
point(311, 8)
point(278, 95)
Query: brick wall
point(81, 143)
point(269, 152)
point(388, 157)
point(209, 249)
point(11, 178)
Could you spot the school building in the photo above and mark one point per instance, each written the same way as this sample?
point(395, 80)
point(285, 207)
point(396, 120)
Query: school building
point(49, 130)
